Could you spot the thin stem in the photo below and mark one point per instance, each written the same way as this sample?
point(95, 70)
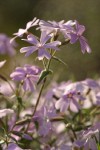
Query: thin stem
point(73, 132)
point(49, 62)
point(44, 63)
point(42, 87)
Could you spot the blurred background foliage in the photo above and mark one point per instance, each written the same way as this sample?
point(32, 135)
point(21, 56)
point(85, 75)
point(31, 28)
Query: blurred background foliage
point(14, 14)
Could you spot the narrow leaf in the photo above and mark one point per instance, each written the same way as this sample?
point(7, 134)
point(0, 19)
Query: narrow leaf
point(17, 133)
point(43, 75)
point(59, 60)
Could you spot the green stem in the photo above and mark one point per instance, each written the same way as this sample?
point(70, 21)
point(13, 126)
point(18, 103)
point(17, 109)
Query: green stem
point(38, 99)
point(74, 134)
point(44, 63)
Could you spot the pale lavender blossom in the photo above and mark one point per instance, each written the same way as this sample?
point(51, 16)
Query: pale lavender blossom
point(89, 138)
point(77, 35)
point(21, 32)
point(16, 128)
point(27, 75)
point(93, 91)
point(92, 84)
point(6, 47)
point(13, 146)
point(62, 147)
point(69, 99)
point(5, 88)
point(98, 99)
point(43, 117)
point(41, 45)
point(57, 27)
point(65, 147)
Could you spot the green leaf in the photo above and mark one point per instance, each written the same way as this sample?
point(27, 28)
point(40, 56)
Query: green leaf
point(20, 102)
point(36, 124)
point(2, 132)
point(43, 75)
point(17, 133)
point(59, 60)
point(98, 145)
point(24, 143)
point(2, 135)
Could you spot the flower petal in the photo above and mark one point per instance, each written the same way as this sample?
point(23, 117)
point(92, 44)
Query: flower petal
point(32, 39)
point(13, 146)
point(53, 45)
point(79, 28)
point(43, 53)
point(20, 32)
point(84, 45)
point(29, 50)
point(44, 37)
point(73, 38)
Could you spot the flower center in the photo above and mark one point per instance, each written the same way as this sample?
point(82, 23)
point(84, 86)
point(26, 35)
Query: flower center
point(39, 45)
point(70, 95)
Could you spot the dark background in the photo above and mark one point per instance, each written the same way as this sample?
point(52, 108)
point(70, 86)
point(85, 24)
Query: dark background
point(14, 14)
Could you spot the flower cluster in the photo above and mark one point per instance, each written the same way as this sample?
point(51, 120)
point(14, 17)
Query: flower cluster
point(71, 30)
point(40, 116)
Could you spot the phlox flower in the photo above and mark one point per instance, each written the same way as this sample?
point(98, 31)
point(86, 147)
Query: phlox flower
point(13, 146)
point(98, 99)
point(6, 47)
point(21, 32)
point(6, 89)
point(91, 92)
point(27, 75)
point(56, 27)
point(41, 45)
point(92, 84)
point(62, 147)
point(67, 95)
point(68, 100)
point(76, 34)
point(72, 94)
point(43, 117)
point(89, 138)
point(56, 90)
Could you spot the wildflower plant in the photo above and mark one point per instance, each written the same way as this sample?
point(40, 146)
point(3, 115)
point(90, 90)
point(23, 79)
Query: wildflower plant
point(35, 116)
